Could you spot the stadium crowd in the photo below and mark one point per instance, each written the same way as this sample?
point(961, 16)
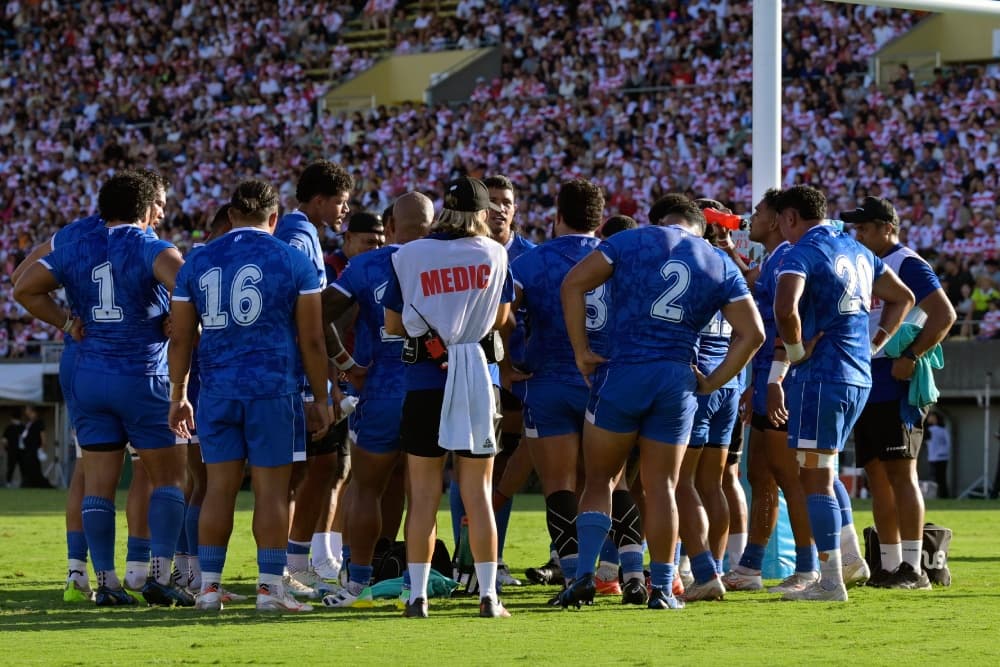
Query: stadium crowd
point(213, 93)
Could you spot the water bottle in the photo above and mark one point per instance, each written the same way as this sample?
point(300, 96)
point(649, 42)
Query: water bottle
point(347, 406)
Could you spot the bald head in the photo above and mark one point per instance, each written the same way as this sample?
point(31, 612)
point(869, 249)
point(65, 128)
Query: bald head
point(412, 215)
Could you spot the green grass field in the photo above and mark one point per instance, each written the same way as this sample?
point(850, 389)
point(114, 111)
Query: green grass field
point(959, 625)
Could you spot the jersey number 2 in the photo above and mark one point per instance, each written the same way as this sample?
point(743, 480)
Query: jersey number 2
point(245, 301)
point(678, 276)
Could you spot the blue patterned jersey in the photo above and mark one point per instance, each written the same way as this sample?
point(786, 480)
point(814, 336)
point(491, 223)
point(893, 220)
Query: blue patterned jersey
point(108, 276)
point(839, 273)
point(539, 273)
point(76, 230)
point(517, 246)
point(295, 229)
point(713, 341)
point(364, 281)
point(667, 284)
point(763, 294)
point(244, 287)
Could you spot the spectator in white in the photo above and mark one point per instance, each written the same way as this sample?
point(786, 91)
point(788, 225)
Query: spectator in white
point(939, 452)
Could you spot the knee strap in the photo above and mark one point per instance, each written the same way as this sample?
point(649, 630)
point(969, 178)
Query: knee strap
point(816, 459)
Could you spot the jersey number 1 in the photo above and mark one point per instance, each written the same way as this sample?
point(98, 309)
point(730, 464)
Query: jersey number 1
point(106, 310)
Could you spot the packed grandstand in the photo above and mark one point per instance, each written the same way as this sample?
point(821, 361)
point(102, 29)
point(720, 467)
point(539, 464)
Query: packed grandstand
point(643, 98)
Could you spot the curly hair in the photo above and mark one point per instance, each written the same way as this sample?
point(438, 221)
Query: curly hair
point(323, 178)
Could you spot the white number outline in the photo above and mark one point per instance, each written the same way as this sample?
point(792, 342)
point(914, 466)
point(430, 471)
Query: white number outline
point(859, 277)
point(210, 283)
point(595, 303)
point(665, 307)
point(245, 300)
point(378, 294)
point(106, 310)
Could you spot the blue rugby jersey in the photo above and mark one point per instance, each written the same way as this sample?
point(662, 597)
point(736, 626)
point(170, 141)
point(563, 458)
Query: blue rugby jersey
point(365, 281)
point(244, 287)
point(839, 274)
point(539, 273)
point(667, 285)
point(108, 276)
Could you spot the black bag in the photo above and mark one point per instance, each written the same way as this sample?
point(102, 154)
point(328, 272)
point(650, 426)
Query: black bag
point(934, 556)
point(389, 561)
point(937, 541)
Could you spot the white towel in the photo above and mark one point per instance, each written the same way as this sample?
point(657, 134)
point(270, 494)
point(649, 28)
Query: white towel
point(469, 410)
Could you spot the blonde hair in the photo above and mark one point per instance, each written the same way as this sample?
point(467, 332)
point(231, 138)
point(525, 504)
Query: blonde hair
point(461, 223)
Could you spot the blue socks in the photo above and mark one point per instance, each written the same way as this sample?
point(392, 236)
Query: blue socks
point(844, 500)
point(631, 560)
point(212, 559)
point(182, 539)
point(591, 530)
point(76, 545)
point(99, 527)
point(360, 574)
point(806, 559)
point(703, 567)
point(191, 527)
point(661, 575)
point(609, 552)
point(503, 520)
point(825, 519)
point(166, 517)
point(269, 561)
point(137, 549)
point(753, 556)
point(457, 510)
point(298, 548)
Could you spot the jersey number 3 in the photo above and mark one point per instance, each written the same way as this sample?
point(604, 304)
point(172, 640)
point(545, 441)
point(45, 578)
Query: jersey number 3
point(678, 277)
point(245, 301)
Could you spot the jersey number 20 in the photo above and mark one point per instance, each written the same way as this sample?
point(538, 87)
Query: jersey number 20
point(858, 288)
point(245, 301)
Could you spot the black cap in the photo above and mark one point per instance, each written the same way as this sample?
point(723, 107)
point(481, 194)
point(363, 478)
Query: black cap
point(468, 194)
point(364, 222)
point(872, 209)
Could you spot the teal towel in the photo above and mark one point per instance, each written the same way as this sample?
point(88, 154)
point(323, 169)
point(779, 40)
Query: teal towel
point(923, 391)
point(438, 586)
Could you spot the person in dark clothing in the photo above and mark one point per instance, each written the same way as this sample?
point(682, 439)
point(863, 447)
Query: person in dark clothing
point(32, 441)
point(12, 438)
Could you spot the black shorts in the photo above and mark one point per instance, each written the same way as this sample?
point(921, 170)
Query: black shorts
point(421, 421)
point(334, 442)
point(508, 401)
point(762, 423)
point(880, 434)
point(736, 443)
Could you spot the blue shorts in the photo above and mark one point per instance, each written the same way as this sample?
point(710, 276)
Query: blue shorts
point(113, 410)
point(759, 398)
point(67, 369)
point(553, 408)
point(715, 418)
point(655, 399)
point(267, 432)
point(375, 424)
point(822, 414)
